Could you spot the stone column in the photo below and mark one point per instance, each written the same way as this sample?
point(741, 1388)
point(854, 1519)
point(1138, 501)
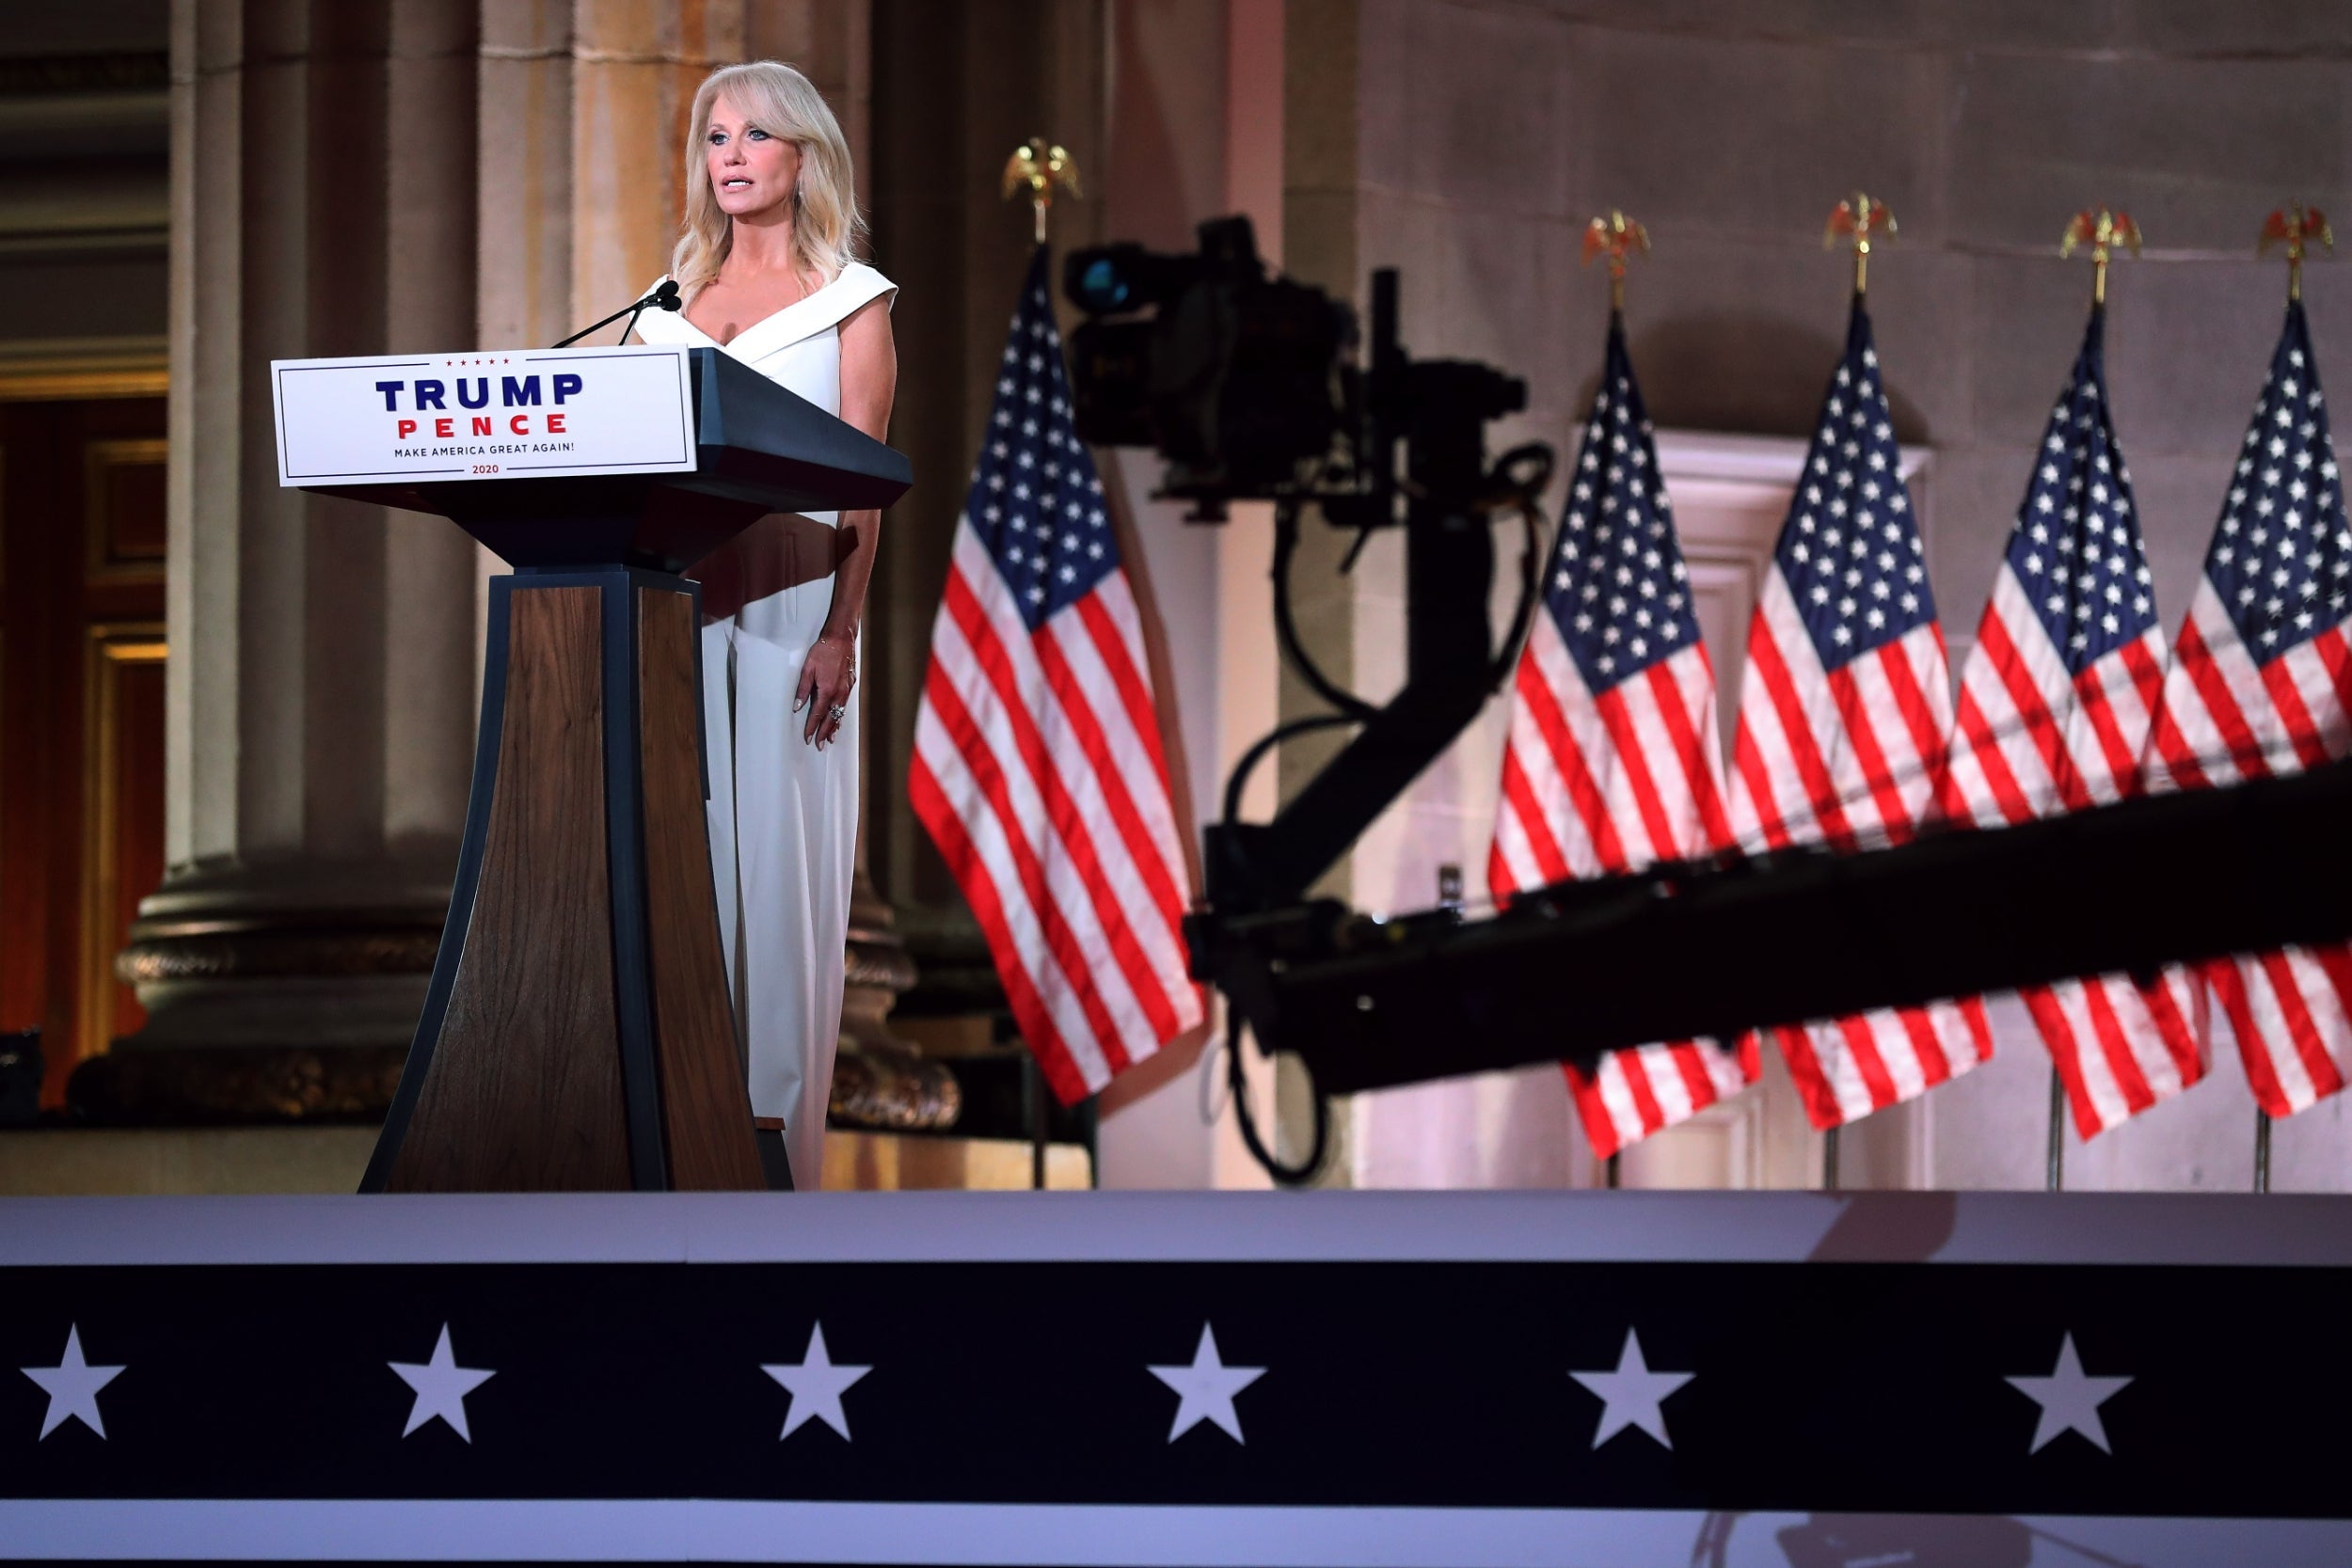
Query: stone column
point(320, 713)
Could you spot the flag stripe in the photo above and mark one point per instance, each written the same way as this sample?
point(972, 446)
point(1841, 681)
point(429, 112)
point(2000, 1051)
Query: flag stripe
point(1037, 988)
point(1067, 839)
point(991, 758)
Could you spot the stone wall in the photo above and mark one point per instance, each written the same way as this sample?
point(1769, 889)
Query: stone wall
point(1486, 134)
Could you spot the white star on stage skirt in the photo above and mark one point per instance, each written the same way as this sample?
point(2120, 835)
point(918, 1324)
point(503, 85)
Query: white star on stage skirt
point(783, 850)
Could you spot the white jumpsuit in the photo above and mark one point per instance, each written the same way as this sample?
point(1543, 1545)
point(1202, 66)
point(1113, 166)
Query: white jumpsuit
point(783, 814)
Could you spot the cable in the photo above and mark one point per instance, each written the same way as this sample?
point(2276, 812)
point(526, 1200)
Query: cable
point(1522, 475)
point(1286, 630)
point(1238, 1088)
point(1272, 738)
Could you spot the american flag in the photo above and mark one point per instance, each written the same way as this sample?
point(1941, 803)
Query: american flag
point(1844, 716)
point(1038, 769)
point(1613, 760)
point(2258, 685)
point(2056, 702)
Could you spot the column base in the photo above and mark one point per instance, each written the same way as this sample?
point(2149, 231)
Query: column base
point(279, 993)
point(879, 1081)
point(229, 1086)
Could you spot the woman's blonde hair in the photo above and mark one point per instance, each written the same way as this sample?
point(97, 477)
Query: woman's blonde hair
point(780, 101)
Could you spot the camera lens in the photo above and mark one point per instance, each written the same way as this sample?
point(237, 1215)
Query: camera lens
point(1101, 286)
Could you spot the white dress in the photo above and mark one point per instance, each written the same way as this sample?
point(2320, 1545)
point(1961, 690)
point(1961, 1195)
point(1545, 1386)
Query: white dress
point(783, 814)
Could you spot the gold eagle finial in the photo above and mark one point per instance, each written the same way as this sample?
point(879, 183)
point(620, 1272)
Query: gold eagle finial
point(1864, 220)
point(2101, 231)
point(1618, 238)
point(2295, 225)
point(1040, 165)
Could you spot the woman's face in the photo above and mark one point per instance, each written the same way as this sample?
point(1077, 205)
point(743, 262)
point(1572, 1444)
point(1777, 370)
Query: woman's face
point(752, 172)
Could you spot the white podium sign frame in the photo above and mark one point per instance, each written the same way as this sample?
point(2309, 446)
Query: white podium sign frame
point(510, 414)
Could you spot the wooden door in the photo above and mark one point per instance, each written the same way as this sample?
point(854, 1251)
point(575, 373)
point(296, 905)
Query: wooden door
point(82, 542)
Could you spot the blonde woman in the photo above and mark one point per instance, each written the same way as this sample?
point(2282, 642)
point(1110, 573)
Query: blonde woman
point(767, 265)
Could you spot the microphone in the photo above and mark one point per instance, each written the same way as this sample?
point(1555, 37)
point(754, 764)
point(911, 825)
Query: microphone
point(664, 298)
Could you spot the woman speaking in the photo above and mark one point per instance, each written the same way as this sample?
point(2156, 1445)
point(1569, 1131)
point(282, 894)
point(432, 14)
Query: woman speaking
point(768, 269)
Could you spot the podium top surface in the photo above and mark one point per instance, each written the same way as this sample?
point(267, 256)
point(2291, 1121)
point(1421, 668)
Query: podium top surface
point(756, 449)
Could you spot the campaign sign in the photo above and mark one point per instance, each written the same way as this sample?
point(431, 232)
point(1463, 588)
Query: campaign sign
point(518, 413)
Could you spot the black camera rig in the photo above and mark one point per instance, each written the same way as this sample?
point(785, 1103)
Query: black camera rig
point(1244, 383)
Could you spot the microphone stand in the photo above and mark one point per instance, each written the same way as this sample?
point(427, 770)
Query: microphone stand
point(664, 298)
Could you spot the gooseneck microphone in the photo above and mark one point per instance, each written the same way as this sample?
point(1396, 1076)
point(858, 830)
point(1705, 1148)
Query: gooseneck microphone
point(664, 298)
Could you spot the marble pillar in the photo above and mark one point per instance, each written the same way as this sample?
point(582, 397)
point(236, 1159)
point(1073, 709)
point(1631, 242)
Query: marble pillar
point(319, 721)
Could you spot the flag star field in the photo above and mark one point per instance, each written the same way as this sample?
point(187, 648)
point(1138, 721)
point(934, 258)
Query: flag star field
point(1852, 556)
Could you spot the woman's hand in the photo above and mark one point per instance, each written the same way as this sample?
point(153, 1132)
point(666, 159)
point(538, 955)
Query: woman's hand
point(827, 676)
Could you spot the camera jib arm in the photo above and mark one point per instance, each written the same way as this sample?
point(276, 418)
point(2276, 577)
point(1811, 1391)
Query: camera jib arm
point(1256, 911)
point(1437, 412)
point(1241, 382)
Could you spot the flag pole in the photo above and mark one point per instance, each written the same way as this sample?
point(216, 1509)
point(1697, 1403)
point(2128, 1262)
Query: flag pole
point(2099, 230)
point(1861, 220)
point(1037, 166)
point(1618, 238)
point(2293, 228)
point(2054, 1173)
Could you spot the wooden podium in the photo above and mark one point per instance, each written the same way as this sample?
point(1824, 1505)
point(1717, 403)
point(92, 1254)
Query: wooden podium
point(578, 1033)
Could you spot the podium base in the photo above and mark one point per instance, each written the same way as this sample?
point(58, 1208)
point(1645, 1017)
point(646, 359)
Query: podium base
point(577, 1034)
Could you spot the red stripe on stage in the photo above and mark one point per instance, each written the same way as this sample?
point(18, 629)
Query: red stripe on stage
point(947, 831)
point(1066, 823)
